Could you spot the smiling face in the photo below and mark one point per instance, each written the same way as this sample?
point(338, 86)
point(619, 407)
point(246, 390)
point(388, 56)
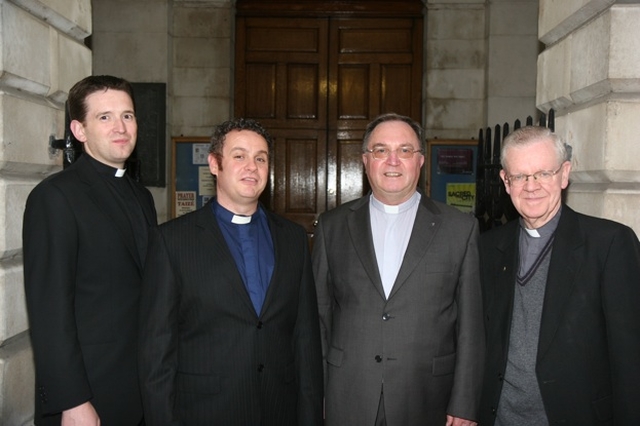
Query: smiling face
point(242, 171)
point(109, 129)
point(393, 180)
point(536, 202)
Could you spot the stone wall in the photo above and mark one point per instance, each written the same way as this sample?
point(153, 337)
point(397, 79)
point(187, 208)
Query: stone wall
point(186, 44)
point(480, 65)
point(41, 55)
point(590, 73)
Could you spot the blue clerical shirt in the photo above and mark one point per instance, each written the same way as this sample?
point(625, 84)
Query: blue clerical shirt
point(250, 243)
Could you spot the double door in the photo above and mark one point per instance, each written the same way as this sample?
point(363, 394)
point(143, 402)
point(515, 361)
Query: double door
point(315, 83)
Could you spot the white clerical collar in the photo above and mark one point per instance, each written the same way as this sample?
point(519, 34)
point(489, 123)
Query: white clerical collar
point(120, 172)
point(532, 232)
point(240, 220)
point(396, 209)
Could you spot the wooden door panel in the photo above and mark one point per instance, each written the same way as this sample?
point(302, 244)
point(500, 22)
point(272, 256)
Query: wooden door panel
point(353, 92)
point(351, 178)
point(298, 175)
point(315, 83)
point(303, 84)
point(395, 88)
point(260, 84)
point(293, 53)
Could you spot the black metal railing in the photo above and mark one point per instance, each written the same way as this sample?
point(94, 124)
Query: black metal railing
point(493, 205)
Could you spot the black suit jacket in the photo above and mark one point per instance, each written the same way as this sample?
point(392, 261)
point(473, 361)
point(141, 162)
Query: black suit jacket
point(82, 273)
point(588, 361)
point(206, 357)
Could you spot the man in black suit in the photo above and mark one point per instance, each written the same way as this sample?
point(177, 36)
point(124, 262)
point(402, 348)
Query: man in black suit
point(561, 292)
point(84, 237)
point(229, 321)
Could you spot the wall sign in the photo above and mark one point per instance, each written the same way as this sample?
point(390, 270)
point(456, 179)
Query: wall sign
point(192, 182)
point(451, 172)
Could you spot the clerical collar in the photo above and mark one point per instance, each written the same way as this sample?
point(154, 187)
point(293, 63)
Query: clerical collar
point(229, 216)
point(105, 169)
point(545, 230)
point(240, 220)
point(396, 209)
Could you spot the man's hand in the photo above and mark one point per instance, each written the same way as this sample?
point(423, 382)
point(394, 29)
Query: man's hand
point(457, 421)
point(82, 415)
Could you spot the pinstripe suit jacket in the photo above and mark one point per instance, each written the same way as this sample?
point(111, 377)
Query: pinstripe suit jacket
point(425, 342)
point(206, 357)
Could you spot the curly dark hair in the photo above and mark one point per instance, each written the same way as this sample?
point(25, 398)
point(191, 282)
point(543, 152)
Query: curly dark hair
point(221, 131)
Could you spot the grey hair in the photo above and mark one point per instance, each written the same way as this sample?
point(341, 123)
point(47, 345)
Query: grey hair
point(529, 134)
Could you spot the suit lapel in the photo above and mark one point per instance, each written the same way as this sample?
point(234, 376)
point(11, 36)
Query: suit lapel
point(280, 249)
point(207, 221)
point(563, 268)
point(104, 199)
point(359, 224)
point(426, 225)
point(502, 284)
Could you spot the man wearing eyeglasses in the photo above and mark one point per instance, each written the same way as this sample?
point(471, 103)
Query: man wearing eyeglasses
point(561, 292)
point(399, 295)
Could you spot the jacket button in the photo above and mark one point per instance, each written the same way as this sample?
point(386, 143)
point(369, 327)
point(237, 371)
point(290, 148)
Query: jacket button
point(378, 358)
point(259, 325)
point(385, 317)
point(260, 368)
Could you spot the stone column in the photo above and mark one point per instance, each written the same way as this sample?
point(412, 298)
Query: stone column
point(590, 73)
point(41, 55)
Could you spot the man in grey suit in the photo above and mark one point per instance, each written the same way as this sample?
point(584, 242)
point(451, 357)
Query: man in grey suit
point(399, 295)
point(230, 333)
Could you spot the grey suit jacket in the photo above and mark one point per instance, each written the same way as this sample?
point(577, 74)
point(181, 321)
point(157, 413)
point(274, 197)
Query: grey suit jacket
point(425, 342)
point(588, 360)
point(206, 357)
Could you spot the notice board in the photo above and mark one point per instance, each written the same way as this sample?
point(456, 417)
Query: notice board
point(451, 172)
point(192, 182)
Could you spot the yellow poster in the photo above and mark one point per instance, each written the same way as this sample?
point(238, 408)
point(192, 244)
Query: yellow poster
point(462, 196)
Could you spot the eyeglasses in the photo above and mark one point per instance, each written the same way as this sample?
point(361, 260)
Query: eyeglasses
point(543, 176)
point(382, 153)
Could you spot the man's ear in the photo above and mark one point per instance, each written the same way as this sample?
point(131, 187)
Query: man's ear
point(503, 176)
point(77, 128)
point(213, 164)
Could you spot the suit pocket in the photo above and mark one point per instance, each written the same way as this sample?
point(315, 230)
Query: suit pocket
point(334, 357)
point(207, 384)
point(443, 365)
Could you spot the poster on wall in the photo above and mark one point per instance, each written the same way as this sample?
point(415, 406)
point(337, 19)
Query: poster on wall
point(451, 172)
point(192, 182)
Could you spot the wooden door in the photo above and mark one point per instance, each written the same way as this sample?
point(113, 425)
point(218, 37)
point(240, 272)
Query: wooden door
point(315, 82)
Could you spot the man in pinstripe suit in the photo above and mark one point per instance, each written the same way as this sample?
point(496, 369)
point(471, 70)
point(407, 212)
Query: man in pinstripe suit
point(229, 320)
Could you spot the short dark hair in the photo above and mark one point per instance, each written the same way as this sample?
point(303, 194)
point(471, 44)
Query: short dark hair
point(76, 101)
point(392, 116)
point(221, 131)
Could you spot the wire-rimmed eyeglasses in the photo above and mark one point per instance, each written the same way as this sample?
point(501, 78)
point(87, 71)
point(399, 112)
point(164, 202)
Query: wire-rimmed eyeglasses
point(382, 152)
point(543, 176)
